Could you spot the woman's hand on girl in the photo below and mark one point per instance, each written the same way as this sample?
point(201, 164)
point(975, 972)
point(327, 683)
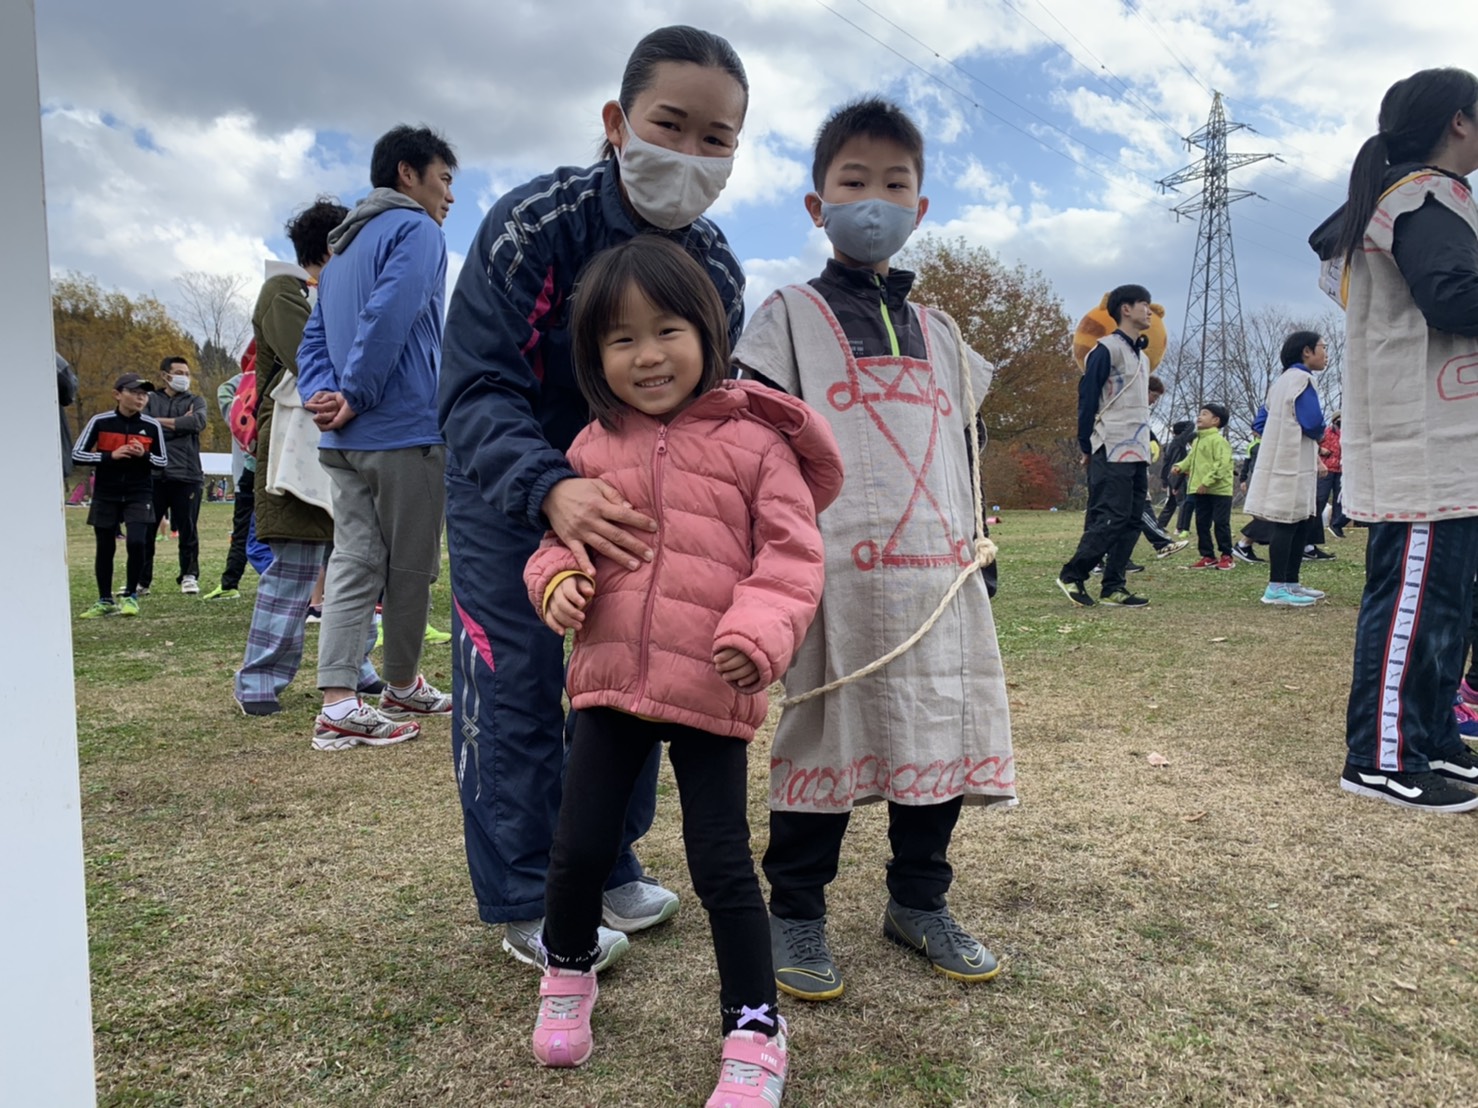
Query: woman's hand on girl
point(590, 513)
point(566, 608)
point(735, 667)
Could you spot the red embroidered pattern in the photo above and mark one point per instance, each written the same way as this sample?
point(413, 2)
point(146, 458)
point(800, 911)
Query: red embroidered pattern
point(876, 384)
point(838, 786)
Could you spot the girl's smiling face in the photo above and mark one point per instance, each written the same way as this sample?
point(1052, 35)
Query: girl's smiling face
point(652, 359)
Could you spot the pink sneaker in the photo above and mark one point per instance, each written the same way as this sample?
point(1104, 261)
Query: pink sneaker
point(752, 1074)
point(1468, 693)
point(562, 1032)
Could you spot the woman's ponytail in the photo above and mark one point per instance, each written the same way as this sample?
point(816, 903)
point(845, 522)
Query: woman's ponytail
point(1366, 179)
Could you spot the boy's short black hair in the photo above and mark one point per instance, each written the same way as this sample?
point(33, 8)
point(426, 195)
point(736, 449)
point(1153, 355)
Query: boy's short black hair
point(418, 147)
point(1126, 294)
point(308, 230)
point(1295, 345)
point(172, 360)
point(669, 277)
point(873, 117)
point(1219, 411)
point(1181, 426)
point(1156, 385)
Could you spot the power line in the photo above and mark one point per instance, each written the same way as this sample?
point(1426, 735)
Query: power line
point(1155, 30)
point(1144, 193)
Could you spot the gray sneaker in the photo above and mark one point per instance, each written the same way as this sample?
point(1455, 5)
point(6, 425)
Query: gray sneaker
point(524, 940)
point(953, 950)
point(637, 905)
point(1303, 590)
point(803, 964)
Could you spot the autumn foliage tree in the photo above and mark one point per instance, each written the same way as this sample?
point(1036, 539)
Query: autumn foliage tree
point(1014, 319)
point(104, 332)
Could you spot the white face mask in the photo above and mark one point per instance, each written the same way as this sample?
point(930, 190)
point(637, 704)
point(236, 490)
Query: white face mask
point(669, 190)
point(180, 384)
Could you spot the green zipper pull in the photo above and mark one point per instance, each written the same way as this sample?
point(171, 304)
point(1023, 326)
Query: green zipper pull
point(887, 319)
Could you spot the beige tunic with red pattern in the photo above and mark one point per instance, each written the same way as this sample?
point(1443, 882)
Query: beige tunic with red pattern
point(1410, 408)
point(933, 724)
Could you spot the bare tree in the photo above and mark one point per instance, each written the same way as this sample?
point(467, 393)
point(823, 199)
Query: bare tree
point(214, 308)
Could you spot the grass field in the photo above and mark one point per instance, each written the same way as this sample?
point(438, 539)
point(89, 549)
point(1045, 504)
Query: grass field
point(272, 925)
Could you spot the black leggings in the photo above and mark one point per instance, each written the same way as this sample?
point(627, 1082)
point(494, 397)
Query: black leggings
point(138, 552)
point(1286, 550)
point(606, 755)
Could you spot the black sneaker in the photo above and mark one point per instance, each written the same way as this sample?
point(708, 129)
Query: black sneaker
point(803, 964)
point(258, 707)
point(1337, 529)
point(1245, 553)
point(936, 935)
point(1460, 767)
point(1131, 567)
point(1075, 592)
point(1314, 554)
point(1123, 598)
point(1429, 792)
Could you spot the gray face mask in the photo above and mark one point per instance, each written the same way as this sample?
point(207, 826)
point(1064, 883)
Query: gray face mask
point(868, 231)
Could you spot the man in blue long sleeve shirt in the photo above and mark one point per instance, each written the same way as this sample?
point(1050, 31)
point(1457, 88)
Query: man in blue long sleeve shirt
point(367, 366)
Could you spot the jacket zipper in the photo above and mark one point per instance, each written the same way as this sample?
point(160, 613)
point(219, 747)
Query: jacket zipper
point(659, 456)
point(887, 319)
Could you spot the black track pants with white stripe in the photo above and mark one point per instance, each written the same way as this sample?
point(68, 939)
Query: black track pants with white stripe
point(1410, 640)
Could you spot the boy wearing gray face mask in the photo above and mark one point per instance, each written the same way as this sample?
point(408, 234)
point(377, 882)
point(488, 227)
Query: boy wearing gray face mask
point(930, 731)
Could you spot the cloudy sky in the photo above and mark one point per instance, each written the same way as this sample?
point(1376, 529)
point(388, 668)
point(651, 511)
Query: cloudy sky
point(180, 135)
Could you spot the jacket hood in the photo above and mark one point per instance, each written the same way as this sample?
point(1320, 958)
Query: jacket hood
point(809, 435)
point(376, 203)
point(275, 268)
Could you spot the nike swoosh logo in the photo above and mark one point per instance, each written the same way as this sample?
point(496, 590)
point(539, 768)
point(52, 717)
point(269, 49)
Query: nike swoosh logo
point(827, 978)
point(1400, 790)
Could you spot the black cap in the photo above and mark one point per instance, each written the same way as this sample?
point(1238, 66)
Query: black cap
point(133, 382)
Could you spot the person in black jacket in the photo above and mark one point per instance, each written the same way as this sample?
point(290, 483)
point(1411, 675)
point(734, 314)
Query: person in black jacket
point(177, 490)
point(1182, 433)
point(66, 395)
point(127, 447)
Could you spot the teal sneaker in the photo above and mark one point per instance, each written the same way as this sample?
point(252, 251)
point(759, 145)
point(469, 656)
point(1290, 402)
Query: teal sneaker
point(219, 593)
point(128, 606)
point(99, 610)
point(1280, 597)
point(953, 951)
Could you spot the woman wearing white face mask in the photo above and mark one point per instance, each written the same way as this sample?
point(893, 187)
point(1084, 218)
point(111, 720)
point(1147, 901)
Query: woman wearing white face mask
point(509, 408)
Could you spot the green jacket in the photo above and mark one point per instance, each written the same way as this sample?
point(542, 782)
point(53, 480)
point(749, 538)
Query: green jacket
point(1208, 465)
point(277, 321)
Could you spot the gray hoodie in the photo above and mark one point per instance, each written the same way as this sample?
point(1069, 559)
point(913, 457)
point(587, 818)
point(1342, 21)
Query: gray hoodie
point(379, 200)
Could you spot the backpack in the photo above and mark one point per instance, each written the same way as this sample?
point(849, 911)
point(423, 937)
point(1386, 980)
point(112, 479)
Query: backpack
point(242, 419)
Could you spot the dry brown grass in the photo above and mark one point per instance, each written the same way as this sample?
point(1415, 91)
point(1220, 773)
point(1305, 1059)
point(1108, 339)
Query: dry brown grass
point(274, 926)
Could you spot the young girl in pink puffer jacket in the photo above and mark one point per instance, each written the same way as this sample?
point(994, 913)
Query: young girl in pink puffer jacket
point(681, 648)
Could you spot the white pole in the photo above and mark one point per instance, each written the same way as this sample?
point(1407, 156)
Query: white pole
point(45, 1004)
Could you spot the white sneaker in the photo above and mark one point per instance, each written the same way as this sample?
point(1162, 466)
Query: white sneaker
point(422, 700)
point(189, 586)
point(524, 940)
point(362, 727)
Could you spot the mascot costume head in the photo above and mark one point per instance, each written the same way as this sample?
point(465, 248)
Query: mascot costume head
point(1098, 323)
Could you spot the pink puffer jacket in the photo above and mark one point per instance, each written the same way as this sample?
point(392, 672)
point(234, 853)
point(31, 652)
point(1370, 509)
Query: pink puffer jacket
point(734, 483)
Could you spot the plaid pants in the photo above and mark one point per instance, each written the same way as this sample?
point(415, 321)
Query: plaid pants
point(274, 644)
